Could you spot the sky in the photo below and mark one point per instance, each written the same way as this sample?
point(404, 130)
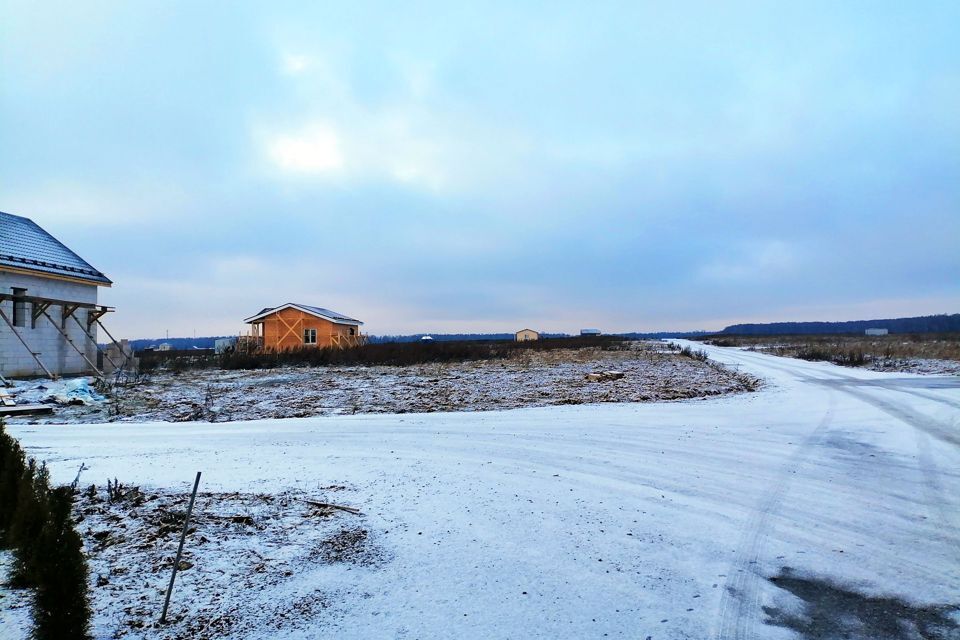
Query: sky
point(455, 167)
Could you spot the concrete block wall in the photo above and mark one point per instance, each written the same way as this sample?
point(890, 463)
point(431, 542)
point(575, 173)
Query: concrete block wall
point(58, 356)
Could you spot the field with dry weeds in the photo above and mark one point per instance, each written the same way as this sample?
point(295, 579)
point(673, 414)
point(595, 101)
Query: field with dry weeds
point(908, 353)
point(653, 371)
point(129, 535)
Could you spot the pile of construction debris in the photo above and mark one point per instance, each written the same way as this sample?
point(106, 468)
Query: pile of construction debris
point(30, 397)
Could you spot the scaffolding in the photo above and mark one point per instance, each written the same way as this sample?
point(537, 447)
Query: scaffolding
point(40, 307)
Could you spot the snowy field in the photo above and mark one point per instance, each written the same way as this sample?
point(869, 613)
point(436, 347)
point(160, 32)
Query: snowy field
point(826, 505)
point(528, 378)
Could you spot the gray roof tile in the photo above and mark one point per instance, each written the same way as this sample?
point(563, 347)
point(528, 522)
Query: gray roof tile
point(24, 245)
point(320, 311)
point(328, 313)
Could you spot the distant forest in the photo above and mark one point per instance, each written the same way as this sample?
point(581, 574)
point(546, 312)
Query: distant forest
point(922, 324)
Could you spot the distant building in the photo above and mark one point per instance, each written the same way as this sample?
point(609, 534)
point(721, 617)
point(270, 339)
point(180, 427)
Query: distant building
point(590, 332)
point(877, 332)
point(525, 335)
point(426, 338)
point(224, 345)
point(164, 346)
point(297, 326)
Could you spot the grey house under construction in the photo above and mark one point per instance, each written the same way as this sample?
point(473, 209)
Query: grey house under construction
point(48, 305)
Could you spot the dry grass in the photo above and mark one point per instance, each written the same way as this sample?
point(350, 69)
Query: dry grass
point(524, 378)
point(853, 350)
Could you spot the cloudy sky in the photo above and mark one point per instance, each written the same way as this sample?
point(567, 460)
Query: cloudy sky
point(631, 166)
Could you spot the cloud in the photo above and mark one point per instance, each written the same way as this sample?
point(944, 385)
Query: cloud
point(630, 172)
point(384, 147)
point(72, 203)
point(760, 260)
point(315, 149)
point(294, 64)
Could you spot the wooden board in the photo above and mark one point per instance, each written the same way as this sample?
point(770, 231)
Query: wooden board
point(25, 409)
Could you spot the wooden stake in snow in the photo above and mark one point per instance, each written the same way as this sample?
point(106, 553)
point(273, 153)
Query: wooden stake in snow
point(183, 535)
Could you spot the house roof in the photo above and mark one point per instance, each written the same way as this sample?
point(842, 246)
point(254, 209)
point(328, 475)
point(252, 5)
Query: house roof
point(320, 312)
point(24, 245)
point(522, 330)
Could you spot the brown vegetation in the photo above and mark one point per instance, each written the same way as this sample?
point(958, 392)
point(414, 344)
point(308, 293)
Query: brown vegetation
point(396, 354)
point(503, 376)
point(879, 352)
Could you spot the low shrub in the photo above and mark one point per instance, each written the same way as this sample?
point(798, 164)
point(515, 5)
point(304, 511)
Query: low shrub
point(849, 349)
point(36, 522)
point(62, 608)
point(721, 342)
point(411, 353)
point(698, 354)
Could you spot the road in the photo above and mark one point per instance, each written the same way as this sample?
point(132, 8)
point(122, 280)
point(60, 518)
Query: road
point(826, 505)
point(924, 409)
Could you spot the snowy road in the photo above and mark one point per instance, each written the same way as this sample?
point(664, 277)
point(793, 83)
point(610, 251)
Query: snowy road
point(829, 500)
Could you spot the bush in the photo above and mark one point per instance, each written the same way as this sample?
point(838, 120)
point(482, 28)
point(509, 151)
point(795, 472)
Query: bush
point(12, 463)
point(721, 342)
point(411, 353)
point(699, 354)
point(36, 522)
point(849, 350)
point(28, 519)
point(62, 609)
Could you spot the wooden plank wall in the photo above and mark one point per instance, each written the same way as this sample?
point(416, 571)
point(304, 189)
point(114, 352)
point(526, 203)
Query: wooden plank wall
point(284, 330)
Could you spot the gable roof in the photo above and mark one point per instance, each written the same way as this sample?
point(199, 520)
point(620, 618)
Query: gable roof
point(320, 312)
point(24, 245)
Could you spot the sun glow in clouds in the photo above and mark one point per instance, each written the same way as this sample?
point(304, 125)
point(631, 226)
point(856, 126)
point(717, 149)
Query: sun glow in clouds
point(294, 64)
point(313, 150)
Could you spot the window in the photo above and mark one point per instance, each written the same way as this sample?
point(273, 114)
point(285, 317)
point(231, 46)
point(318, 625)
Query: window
point(19, 308)
point(352, 331)
point(309, 336)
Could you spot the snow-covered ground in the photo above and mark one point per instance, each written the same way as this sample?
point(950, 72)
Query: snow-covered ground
point(528, 378)
point(930, 366)
point(830, 500)
point(15, 604)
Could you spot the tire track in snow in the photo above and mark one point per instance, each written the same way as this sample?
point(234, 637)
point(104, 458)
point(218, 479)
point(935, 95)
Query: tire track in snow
point(919, 394)
point(924, 428)
point(838, 378)
point(936, 496)
point(740, 602)
point(908, 416)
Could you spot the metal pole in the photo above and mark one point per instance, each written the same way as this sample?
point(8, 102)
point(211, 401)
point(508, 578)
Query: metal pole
point(183, 535)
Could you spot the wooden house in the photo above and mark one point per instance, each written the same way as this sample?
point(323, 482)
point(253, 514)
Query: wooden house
point(526, 334)
point(297, 326)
